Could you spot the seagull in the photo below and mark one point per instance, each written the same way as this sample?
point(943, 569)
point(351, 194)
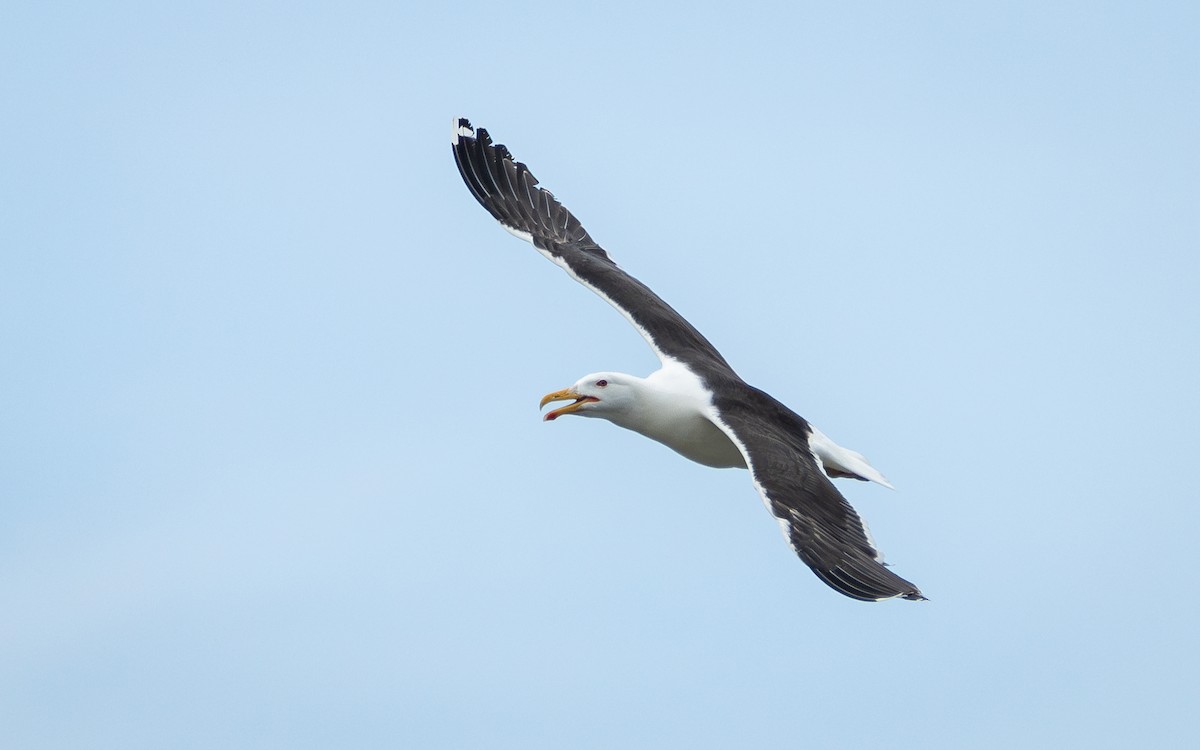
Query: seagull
point(694, 403)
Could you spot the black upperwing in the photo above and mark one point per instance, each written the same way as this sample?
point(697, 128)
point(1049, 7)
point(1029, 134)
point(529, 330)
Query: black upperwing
point(823, 529)
point(508, 190)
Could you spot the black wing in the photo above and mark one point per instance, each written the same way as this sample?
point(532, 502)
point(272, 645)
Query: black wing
point(823, 529)
point(508, 190)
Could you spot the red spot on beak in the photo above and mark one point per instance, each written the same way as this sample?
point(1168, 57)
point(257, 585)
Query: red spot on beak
point(550, 417)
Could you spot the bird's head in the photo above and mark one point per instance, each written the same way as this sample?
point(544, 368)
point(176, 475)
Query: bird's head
point(600, 394)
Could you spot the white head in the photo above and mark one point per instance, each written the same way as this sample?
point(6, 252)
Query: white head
point(601, 394)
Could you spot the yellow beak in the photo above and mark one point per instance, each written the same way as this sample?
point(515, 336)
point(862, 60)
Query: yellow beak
point(564, 395)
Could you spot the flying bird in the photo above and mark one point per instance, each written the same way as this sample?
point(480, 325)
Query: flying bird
point(695, 403)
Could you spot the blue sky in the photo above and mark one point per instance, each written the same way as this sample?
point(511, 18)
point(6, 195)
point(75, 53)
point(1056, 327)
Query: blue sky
point(272, 472)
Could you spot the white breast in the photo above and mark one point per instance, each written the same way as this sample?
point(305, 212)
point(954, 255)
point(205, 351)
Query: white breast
point(671, 409)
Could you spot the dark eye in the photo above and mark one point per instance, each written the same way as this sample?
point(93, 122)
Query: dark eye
point(601, 383)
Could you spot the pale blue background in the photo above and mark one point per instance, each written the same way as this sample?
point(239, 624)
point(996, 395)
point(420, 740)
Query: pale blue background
point(271, 467)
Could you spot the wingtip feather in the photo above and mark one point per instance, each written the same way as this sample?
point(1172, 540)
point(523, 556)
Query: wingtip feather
point(460, 128)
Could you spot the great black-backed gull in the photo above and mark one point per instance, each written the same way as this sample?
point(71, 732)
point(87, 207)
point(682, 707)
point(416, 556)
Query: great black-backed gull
point(695, 404)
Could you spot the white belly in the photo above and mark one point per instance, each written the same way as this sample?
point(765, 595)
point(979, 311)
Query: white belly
point(701, 441)
point(672, 412)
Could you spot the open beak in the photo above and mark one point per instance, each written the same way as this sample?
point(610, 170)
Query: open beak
point(564, 395)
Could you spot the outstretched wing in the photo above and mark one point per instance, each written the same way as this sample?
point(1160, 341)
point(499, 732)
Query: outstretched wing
point(823, 529)
point(508, 190)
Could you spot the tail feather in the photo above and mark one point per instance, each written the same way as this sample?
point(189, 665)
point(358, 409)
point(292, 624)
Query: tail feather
point(843, 462)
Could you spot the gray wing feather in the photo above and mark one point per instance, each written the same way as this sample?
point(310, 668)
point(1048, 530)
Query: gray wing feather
point(823, 529)
point(510, 193)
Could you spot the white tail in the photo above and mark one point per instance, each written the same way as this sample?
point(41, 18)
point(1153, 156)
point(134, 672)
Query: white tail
point(843, 462)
